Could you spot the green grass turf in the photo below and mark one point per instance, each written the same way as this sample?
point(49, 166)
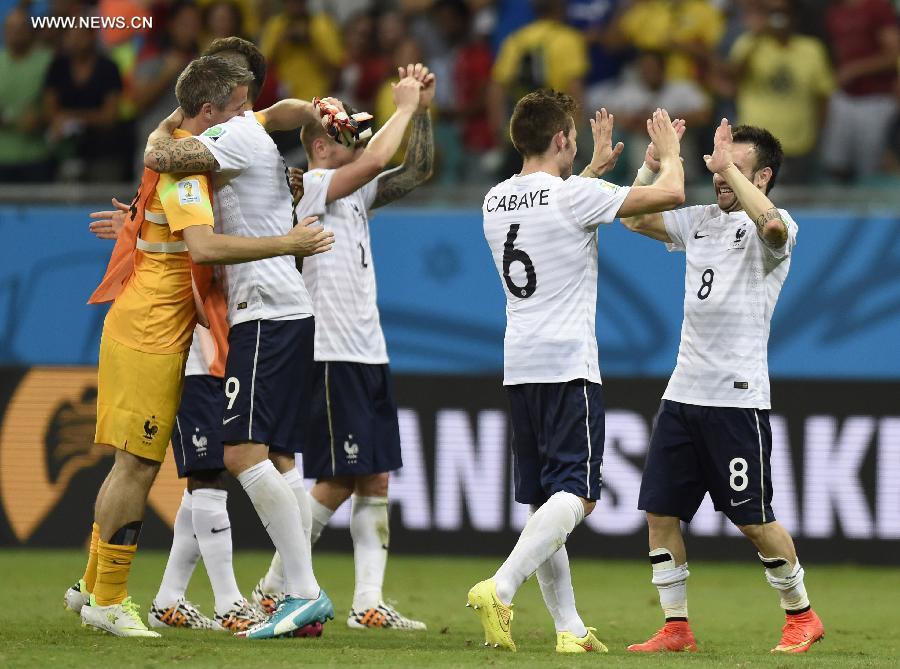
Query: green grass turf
point(733, 612)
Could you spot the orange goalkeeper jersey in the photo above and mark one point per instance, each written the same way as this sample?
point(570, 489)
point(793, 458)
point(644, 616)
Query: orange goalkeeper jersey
point(154, 310)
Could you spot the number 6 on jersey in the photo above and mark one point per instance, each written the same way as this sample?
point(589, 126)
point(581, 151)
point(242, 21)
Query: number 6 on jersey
point(511, 255)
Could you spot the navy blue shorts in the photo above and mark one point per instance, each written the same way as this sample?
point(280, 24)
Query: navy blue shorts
point(353, 427)
point(557, 439)
point(196, 443)
point(720, 450)
point(268, 378)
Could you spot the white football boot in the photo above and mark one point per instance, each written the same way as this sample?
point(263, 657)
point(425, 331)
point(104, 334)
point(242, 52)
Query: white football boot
point(122, 619)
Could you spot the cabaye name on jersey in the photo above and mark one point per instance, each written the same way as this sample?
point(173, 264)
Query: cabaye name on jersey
point(513, 202)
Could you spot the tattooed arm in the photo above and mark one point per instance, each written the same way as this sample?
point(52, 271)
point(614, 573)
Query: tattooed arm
point(164, 153)
point(167, 154)
point(771, 228)
point(417, 164)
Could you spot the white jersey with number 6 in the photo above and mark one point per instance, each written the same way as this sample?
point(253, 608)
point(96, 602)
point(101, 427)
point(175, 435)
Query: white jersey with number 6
point(731, 286)
point(542, 231)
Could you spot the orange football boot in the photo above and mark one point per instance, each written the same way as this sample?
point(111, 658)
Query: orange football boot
point(675, 636)
point(800, 632)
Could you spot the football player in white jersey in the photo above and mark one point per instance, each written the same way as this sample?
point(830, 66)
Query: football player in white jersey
point(271, 336)
point(354, 439)
point(202, 525)
point(712, 432)
point(541, 226)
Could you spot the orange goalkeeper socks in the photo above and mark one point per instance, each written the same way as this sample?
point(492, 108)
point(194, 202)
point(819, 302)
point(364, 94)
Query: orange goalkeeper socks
point(113, 566)
point(90, 571)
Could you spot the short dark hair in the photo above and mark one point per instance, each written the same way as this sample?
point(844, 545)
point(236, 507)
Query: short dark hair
point(256, 62)
point(537, 118)
point(209, 79)
point(768, 149)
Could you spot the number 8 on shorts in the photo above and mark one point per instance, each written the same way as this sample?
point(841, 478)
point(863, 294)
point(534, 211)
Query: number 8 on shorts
point(738, 470)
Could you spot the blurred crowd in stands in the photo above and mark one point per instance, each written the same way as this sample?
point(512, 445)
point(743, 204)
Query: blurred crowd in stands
point(77, 104)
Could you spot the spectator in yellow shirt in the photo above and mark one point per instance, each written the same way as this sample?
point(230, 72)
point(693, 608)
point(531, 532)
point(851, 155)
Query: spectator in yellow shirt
point(305, 49)
point(546, 53)
point(688, 30)
point(783, 81)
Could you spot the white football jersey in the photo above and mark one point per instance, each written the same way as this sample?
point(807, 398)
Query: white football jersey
point(252, 199)
point(731, 286)
point(542, 231)
point(202, 354)
point(342, 281)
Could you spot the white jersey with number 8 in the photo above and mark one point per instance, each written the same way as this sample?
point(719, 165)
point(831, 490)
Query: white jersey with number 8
point(731, 285)
point(542, 231)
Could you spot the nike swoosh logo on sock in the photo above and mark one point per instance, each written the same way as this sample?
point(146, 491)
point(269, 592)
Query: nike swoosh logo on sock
point(215, 531)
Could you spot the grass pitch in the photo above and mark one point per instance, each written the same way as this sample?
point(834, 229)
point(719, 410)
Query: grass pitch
point(734, 614)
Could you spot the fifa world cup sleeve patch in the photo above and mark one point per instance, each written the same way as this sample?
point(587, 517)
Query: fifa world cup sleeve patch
point(606, 185)
point(189, 191)
point(215, 133)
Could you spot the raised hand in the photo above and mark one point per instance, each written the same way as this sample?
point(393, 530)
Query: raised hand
point(605, 154)
point(406, 93)
point(309, 238)
point(337, 104)
point(722, 143)
point(651, 157)
point(106, 224)
point(425, 77)
point(663, 135)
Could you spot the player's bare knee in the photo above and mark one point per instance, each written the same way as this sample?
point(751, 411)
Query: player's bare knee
point(233, 460)
point(332, 492)
point(216, 479)
point(238, 457)
point(756, 532)
point(658, 522)
point(136, 468)
point(284, 462)
point(373, 485)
